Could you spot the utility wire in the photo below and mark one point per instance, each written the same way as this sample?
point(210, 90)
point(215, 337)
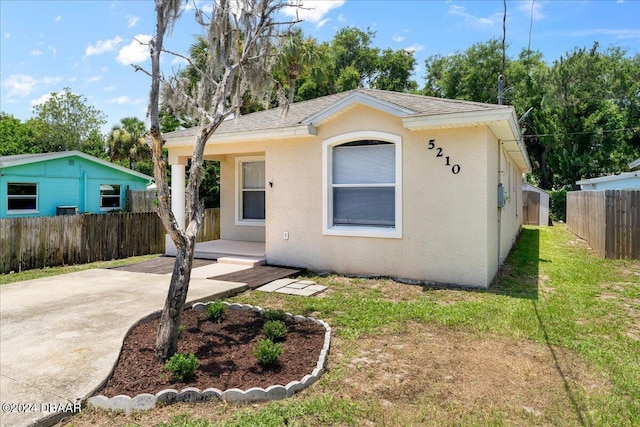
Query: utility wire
point(533, 2)
point(582, 133)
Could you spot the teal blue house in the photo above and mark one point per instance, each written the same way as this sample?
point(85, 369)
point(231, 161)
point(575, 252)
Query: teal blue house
point(65, 182)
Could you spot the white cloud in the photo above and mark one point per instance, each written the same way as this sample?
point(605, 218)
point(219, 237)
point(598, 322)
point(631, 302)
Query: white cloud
point(179, 61)
point(535, 13)
point(341, 18)
point(22, 85)
point(125, 100)
point(132, 20)
point(103, 46)
point(136, 51)
point(475, 21)
point(19, 85)
point(57, 18)
point(72, 79)
point(7, 35)
point(416, 47)
point(94, 79)
point(51, 80)
point(52, 49)
point(44, 98)
point(191, 5)
point(35, 52)
point(312, 10)
point(619, 33)
point(321, 23)
point(109, 88)
point(397, 38)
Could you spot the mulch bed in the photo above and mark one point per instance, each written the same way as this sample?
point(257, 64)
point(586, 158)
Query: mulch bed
point(225, 352)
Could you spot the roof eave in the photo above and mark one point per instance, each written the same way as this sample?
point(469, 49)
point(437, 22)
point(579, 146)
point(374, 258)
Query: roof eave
point(299, 131)
point(501, 121)
point(352, 99)
point(607, 178)
point(63, 154)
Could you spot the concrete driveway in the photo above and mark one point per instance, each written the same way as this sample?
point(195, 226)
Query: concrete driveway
point(60, 336)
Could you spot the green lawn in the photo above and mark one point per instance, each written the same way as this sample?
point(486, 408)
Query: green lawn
point(52, 271)
point(410, 355)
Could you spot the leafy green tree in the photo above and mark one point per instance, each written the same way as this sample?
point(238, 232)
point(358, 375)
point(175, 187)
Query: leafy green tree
point(393, 71)
point(299, 56)
point(65, 122)
point(127, 142)
point(588, 108)
point(15, 137)
point(470, 75)
point(351, 48)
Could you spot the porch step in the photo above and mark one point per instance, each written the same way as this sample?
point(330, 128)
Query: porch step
point(242, 260)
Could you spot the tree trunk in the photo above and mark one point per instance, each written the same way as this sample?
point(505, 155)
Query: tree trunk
point(292, 89)
point(167, 338)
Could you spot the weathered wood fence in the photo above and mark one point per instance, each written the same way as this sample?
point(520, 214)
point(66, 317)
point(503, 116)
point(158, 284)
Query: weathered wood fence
point(141, 201)
point(609, 220)
point(37, 242)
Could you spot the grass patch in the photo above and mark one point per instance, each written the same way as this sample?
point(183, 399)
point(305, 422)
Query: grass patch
point(554, 341)
point(39, 273)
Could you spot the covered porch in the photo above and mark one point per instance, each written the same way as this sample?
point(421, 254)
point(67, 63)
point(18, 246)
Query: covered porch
point(242, 209)
point(232, 251)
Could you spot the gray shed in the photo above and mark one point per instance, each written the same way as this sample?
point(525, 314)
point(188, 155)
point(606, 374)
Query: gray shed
point(535, 205)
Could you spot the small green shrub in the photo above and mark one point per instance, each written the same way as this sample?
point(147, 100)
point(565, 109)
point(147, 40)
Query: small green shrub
point(558, 204)
point(267, 352)
point(182, 366)
point(215, 310)
point(180, 329)
point(275, 330)
point(275, 315)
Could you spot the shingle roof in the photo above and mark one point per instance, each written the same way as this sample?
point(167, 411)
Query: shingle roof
point(296, 113)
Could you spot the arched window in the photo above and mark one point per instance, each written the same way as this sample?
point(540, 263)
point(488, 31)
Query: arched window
point(362, 186)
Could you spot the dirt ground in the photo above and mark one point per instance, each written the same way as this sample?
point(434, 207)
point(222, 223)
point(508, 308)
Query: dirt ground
point(424, 373)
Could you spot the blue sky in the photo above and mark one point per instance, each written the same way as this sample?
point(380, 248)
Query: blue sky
point(88, 46)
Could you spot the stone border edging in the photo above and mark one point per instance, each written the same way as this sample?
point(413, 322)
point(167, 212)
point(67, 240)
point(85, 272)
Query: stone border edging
point(192, 394)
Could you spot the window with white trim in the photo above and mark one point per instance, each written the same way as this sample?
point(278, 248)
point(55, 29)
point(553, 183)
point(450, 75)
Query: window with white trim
point(22, 197)
point(363, 192)
point(109, 196)
point(250, 202)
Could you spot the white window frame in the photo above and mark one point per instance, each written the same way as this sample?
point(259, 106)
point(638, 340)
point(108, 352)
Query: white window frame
point(239, 220)
point(103, 209)
point(328, 228)
point(23, 211)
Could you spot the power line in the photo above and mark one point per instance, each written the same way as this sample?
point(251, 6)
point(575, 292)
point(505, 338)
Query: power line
point(533, 2)
point(636, 129)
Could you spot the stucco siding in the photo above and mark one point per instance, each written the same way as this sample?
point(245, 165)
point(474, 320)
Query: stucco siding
point(228, 194)
point(448, 227)
point(444, 228)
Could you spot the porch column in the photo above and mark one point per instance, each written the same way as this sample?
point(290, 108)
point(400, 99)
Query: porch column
point(178, 204)
point(178, 184)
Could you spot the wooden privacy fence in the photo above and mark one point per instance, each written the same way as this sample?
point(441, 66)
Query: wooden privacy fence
point(37, 242)
point(141, 201)
point(609, 220)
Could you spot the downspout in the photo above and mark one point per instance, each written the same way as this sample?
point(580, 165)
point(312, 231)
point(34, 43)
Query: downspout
point(500, 197)
point(83, 192)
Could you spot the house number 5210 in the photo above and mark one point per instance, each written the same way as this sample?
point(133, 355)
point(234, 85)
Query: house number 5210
point(455, 169)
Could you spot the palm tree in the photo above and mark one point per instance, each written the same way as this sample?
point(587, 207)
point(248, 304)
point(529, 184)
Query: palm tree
point(126, 141)
point(298, 56)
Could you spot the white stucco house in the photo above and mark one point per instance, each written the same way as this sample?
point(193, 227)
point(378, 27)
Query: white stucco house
point(370, 182)
point(621, 181)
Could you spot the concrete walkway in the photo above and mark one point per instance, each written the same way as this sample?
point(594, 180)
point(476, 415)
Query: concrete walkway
point(60, 336)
